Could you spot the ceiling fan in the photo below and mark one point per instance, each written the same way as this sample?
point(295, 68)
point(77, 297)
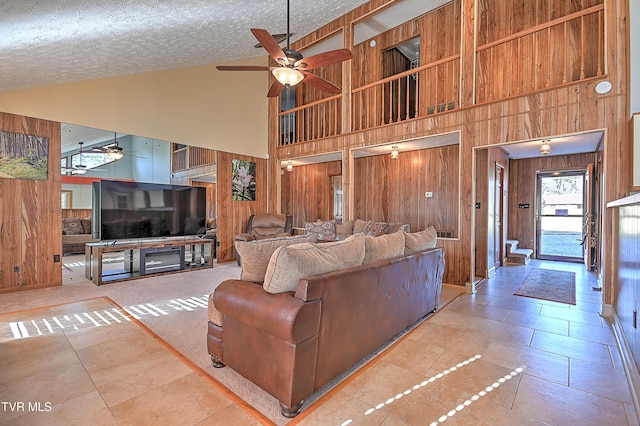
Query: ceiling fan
point(114, 151)
point(78, 169)
point(292, 66)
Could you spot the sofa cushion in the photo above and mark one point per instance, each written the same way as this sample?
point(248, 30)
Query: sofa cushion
point(291, 263)
point(359, 226)
point(383, 247)
point(72, 226)
point(397, 227)
point(326, 230)
point(344, 230)
point(255, 254)
point(418, 241)
point(375, 229)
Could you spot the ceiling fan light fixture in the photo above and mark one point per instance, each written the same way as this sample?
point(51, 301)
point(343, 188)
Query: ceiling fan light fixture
point(115, 155)
point(287, 76)
point(545, 148)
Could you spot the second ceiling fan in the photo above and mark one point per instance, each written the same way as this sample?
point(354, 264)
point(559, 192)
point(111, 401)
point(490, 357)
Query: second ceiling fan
point(292, 66)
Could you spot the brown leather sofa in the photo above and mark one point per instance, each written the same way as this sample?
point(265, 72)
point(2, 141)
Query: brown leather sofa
point(290, 344)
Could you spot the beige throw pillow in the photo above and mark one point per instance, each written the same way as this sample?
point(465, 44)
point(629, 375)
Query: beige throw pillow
point(344, 230)
point(419, 241)
point(383, 247)
point(359, 226)
point(291, 263)
point(255, 254)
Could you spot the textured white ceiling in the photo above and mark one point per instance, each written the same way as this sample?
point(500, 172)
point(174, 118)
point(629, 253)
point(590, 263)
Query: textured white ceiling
point(44, 42)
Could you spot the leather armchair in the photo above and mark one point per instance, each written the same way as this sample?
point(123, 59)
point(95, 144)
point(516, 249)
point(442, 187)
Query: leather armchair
point(269, 225)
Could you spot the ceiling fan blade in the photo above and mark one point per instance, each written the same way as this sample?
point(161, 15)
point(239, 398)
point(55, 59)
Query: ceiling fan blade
point(242, 68)
point(270, 45)
point(320, 83)
point(324, 59)
point(275, 89)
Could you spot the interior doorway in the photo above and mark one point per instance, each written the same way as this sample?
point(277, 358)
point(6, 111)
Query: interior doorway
point(560, 212)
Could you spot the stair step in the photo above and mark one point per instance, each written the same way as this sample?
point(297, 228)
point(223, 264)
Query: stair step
point(522, 252)
point(511, 246)
point(519, 256)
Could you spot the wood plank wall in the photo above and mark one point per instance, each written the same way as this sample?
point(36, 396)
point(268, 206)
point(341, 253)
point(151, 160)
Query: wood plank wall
point(523, 177)
point(565, 109)
point(30, 216)
point(394, 190)
point(81, 213)
point(233, 215)
point(211, 196)
point(307, 193)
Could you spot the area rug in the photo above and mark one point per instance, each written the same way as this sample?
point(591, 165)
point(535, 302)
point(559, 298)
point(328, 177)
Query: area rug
point(548, 284)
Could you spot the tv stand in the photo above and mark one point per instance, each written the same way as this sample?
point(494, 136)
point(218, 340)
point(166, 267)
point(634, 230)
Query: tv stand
point(107, 262)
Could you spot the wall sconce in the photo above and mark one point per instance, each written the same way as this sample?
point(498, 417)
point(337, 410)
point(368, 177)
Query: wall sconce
point(289, 166)
point(545, 148)
point(394, 152)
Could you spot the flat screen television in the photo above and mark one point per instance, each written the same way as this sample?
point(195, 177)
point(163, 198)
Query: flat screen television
point(132, 210)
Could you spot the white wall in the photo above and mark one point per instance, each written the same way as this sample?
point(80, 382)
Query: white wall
point(197, 106)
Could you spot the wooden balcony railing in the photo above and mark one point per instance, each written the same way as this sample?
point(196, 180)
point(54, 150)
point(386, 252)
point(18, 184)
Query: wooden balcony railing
point(425, 90)
point(561, 51)
point(315, 120)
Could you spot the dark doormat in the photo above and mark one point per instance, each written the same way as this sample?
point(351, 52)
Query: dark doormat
point(548, 284)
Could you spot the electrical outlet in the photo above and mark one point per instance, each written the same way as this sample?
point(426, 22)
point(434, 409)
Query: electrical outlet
point(428, 194)
point(56, 258)
point(16, 269)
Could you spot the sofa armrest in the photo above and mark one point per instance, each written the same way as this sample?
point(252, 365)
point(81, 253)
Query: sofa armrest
point(244, 237)
point(281, 315)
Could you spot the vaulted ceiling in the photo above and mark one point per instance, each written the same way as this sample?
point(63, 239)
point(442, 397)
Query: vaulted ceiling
point(44, 42)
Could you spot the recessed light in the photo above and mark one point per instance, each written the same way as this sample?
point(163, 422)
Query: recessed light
point(603, 87)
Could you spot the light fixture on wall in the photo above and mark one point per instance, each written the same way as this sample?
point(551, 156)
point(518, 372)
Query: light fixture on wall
point(545, 148)
point(394, 152)
point(289, 166)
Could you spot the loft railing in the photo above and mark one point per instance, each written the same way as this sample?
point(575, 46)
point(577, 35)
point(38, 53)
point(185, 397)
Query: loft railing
point(561, 51)
point(422, 91)
point(315, 120)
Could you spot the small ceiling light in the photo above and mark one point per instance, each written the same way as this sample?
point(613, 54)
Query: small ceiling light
point(545, 148)
point(287, 76)
point(289, 166)
point(603, 87)
point(394, 152)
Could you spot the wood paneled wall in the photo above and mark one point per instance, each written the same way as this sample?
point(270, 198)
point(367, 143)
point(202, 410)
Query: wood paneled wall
point(523, 177)
point(82, 213)
point(394, 190)
point(30, 216)
point(566, 109)
point(307, 193)
point(233, 215)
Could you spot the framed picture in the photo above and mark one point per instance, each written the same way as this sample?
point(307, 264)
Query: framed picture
point(243, 180)
point(23, 156)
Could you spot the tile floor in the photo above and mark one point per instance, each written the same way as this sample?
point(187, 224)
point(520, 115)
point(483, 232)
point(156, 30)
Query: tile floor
point(487, 358)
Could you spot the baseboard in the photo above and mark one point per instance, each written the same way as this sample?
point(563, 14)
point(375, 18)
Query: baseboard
point(630, 367)
point(491, 272)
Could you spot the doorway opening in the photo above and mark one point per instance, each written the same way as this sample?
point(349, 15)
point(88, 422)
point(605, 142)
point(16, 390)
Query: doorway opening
point(559, 215)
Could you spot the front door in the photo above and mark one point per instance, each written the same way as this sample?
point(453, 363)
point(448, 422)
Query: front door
point(559, 215)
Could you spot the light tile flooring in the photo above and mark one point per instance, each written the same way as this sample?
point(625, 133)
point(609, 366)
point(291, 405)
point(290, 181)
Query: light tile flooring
point(488, 358)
